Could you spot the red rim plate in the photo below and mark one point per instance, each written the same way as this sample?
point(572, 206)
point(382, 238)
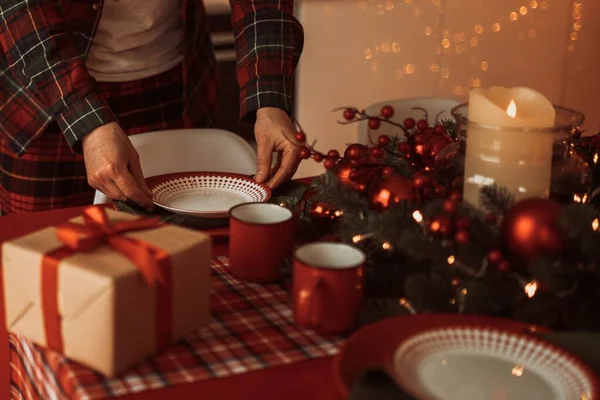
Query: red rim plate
point(374, 345)
point(260, 191)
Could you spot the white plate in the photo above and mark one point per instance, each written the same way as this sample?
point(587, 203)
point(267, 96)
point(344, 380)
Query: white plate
point(481, 363)
point(205, 194)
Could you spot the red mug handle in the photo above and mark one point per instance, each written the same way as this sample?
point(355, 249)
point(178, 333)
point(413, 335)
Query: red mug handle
point(315, 303)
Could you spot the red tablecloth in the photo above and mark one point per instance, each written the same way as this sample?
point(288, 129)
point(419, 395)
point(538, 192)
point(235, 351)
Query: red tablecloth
point(252, 330)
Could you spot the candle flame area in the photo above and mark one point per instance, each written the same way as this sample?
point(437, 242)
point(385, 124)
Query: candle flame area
point(511, 110)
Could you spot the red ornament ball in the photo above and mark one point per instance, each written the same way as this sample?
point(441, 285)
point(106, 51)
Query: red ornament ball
point(440, 129)
point(495, 256)
point(450, 206)
point(384, 140)
point(304, 153)
point(350, 177)
point(390, 190)
point(437, 143)
point(439, 190)
point(349, 114)
point(376, 152)
point(462, 236)
point(455, 196)
point(404, 148)
point(355, 151)
point(374, 123)
point(329, 163)
point(318, 157)
point(410, 123)
point(441, 224)
point(387, 112)
point(422, 125)
point(333, 153)
point(300, 137)
point(531, 227)
point(387, 171)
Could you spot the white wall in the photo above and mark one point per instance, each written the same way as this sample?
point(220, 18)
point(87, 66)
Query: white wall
point(362, 52)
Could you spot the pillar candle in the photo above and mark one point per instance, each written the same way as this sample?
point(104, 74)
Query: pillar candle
point(509, 142)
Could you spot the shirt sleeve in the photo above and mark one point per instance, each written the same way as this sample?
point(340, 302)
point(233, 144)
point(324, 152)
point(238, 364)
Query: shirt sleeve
point(45, 61)
point(269, 41)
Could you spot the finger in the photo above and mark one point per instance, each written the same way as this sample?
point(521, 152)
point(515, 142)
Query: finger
point(264, 158)
point(276, 166)
point(130, 188)
point(113, 192)
point(289, 165)
point(138, 175)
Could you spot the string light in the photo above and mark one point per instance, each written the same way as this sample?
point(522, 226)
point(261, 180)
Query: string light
point(531, 288)
point(595, 224)
point(386, 246)
point(417, 216)
point(407, 306)
point(451, 260)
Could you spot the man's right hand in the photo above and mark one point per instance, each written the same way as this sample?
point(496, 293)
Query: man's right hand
point(113, 165)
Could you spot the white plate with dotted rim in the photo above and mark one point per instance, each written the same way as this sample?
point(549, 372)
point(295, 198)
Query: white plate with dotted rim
point(205, 194)
point(474, 363)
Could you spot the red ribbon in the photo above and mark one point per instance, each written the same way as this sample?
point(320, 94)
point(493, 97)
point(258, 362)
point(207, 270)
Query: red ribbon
point(153, 263)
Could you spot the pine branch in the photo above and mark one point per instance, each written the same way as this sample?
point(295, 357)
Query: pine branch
point(496, 199)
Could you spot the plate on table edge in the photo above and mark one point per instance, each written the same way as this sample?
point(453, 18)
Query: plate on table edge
point(375, 345)
point(160, 185)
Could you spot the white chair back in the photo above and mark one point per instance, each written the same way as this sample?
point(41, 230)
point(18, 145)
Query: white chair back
point(404, 108)
point(215, 150)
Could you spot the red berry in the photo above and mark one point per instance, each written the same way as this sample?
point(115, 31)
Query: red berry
point(419, 181)
point(304, 153)
point(422, 125)
point(455, 196)
point(374, 123)
point(355, 151)
point(439, 190)
point(440, 129)
point(384, 140)
point(318, 157)
point(463, 223)
point(495, 256)
point(300, 137)
point(445, 225)
point(387, 112)
point(333, 153)
point(376, 152)
point(491, 218)
point(349, 114)
point(503, 266)
point(387, 171)
point(354, 175)
point(404, 147)
point(329, 163)
point(409, 123)
point(450, 206)
point(355, 163)
point(462, 236)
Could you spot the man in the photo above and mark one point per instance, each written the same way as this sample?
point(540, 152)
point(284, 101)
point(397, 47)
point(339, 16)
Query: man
point(78, 76)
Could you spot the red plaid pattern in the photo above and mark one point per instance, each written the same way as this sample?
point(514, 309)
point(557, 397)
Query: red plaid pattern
point(50, 176)
point(43, 76)
point(252, 328)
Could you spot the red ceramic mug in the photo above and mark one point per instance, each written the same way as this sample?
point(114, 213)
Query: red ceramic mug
point(261, 236)
point(328, 286)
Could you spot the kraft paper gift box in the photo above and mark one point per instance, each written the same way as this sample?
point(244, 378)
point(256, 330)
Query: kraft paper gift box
point(114, 294)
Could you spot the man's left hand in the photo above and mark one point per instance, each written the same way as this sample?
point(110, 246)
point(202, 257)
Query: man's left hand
point(275, 133)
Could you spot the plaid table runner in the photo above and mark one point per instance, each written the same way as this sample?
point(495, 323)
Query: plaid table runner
point(251, 328)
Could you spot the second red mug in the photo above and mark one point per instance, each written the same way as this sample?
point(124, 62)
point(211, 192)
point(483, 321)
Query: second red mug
point(328, 286)
point(261, 236)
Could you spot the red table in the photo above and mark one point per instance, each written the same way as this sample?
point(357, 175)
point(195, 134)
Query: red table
point(311, 379)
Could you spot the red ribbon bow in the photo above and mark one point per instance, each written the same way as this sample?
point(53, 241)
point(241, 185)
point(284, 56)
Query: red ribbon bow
point(97, 230)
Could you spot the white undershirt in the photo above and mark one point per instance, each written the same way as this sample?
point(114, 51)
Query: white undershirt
point(136, 39)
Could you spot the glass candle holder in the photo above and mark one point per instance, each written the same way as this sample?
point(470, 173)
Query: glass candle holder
point(528, 162)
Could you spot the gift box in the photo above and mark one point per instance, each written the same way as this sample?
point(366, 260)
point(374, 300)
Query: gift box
point(107, 289)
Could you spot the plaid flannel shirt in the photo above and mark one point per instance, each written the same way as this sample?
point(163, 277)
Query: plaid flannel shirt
point(43, 77)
